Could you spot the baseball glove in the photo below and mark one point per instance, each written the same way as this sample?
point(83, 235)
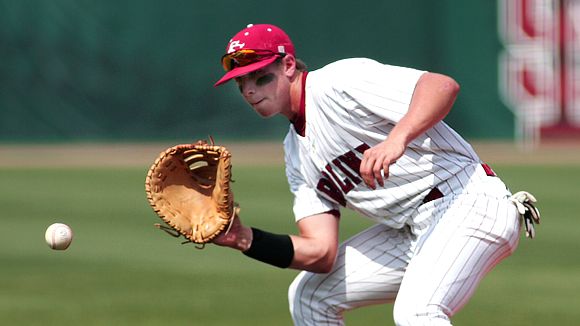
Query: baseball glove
point(188, 186)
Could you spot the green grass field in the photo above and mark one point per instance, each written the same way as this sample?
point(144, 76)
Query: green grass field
point(120, 270)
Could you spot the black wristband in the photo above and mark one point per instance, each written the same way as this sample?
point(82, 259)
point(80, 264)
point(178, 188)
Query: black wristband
point(273, 249)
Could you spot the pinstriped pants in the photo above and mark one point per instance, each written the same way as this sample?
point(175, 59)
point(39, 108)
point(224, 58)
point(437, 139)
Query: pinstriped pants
point(428, 273)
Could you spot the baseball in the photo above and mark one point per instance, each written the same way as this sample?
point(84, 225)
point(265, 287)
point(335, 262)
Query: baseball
point(58, 236)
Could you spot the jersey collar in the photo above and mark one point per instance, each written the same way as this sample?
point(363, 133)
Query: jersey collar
point(299, 121)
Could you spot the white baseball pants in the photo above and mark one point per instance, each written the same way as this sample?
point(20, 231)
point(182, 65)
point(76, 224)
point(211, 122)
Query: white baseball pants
point(429, 272)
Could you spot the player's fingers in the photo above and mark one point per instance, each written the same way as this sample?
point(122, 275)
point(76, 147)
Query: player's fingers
point(377, 168)
point(366, 170)
point(386, 166)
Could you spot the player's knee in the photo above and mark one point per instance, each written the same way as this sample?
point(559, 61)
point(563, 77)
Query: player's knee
point(297, 294)
point(416, 315)
point(308, 304)
point(292, 290)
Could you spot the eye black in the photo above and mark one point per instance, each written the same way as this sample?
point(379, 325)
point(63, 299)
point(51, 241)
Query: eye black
point(265, 79)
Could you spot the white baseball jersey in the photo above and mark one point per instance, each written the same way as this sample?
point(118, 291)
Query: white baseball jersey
point(352, 105)
point(427, 256)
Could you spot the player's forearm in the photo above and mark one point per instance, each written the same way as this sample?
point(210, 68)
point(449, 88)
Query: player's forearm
point(313, 250)
point(301, 253)
point(312, 255)
point(432, 100)
point(287, 250)
point(316, 247)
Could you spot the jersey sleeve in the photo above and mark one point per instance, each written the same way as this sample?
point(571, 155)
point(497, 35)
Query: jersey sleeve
point(307, 201)
point(381, 92)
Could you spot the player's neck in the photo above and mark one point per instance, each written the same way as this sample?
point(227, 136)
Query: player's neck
point(296, 89)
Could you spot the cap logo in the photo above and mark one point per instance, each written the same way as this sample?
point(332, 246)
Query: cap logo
point(234, 45)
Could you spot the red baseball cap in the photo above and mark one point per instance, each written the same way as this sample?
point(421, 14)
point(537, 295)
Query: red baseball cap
point(265, 43)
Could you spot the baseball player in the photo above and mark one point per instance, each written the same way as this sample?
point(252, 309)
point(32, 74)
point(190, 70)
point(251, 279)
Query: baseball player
point(370, 137)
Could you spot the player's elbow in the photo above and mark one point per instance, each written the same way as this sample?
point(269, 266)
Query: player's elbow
point(439, 85)
point(447, 91)
point(324, 262)
point(323, 266)
point(450, 88)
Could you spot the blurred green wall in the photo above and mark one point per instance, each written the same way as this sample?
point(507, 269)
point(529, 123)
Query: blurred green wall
point(144, 69)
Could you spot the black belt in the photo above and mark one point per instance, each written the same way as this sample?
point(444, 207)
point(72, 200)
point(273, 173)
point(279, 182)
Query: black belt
point(436, 193)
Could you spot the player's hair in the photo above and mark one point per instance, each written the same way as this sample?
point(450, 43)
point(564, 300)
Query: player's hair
point(300, 65)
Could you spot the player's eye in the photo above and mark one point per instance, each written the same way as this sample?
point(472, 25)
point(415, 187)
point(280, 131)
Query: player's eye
point(240, 84)
point(266, 79)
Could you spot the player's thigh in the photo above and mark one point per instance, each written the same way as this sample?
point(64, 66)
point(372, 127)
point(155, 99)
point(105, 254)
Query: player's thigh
point(471, 237)
point(368, 270)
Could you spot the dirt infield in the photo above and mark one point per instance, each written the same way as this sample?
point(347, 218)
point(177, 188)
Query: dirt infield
point(120, 154)
point(245, 153)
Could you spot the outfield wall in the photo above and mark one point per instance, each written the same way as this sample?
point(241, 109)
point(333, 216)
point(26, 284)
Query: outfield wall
point(144, 69)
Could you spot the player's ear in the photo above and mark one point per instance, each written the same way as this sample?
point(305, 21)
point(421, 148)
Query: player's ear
point(289, 65)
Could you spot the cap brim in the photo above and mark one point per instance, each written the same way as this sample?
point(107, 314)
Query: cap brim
point(240, 71)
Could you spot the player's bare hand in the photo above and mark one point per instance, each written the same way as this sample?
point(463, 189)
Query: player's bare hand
point(237, 236)
point(377, 160)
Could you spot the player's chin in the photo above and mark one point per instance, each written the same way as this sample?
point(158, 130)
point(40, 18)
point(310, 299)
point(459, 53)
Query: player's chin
point(264, 111)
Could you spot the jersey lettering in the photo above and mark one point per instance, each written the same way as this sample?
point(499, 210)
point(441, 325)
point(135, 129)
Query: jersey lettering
point(346, 185)
point(352, 162)
point(362, 148)
point(332, 185)
point(326, 186)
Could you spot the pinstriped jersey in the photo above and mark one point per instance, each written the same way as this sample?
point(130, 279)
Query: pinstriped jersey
point(352, 105)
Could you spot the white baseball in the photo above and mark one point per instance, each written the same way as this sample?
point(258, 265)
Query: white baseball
point(58, 236)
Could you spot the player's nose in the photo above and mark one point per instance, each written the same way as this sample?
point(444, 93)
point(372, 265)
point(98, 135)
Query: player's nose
point(246, 89)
